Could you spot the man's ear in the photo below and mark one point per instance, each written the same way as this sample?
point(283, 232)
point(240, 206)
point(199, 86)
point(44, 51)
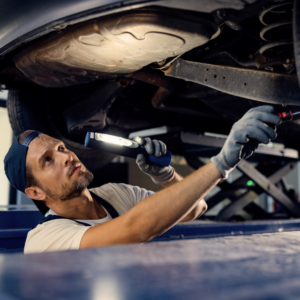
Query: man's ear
point(35, 193)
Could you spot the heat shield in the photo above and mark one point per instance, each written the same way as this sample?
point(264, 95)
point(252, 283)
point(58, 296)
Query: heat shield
point(113, 46)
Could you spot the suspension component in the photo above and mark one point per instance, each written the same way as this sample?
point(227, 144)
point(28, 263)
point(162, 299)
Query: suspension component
point(272, 41)
point(272, 33)
point(245, 83)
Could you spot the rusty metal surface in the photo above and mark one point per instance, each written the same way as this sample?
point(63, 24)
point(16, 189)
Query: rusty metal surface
point(251, 84)
point(167, 87)
point(154, 77)
point(112, 46)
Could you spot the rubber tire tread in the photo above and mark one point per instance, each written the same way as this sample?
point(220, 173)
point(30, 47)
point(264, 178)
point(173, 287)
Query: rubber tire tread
point(28, 109)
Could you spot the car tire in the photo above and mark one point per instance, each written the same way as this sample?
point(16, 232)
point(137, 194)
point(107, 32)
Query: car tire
point(29, 109)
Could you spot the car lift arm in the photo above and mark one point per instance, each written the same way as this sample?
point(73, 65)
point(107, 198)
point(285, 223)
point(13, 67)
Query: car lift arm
point(267, 184)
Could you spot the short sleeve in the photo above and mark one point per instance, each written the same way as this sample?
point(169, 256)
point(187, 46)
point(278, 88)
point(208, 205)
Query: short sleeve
point(56, 235)
point(134, 194)
point(122, 196)
point(140, 194)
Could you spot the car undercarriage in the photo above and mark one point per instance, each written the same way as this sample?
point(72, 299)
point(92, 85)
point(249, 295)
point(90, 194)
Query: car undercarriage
point(152, 66)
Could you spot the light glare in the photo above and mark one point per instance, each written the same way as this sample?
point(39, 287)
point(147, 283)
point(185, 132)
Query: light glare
point(113, 139)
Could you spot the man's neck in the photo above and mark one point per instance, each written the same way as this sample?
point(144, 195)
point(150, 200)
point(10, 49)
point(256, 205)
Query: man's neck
point(83, 207)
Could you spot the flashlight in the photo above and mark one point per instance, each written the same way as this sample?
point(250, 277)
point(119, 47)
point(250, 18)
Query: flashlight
point(124, 147)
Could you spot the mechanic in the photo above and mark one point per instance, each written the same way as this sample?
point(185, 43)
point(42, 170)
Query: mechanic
point(45, 170)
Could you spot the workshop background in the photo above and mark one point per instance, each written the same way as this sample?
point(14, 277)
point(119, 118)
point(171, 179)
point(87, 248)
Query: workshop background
point(128, 172)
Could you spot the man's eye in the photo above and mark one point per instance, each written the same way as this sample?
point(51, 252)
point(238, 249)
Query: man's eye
point(61, 148)
point(47, 160)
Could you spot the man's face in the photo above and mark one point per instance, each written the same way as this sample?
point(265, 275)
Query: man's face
point(58, 171)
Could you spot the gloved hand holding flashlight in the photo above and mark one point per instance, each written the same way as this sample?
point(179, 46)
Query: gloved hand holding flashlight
point(245, 136)
point(159, 174)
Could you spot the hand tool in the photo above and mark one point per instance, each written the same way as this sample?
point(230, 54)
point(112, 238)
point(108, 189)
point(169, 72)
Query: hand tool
point(289, 115)
point(124, 147)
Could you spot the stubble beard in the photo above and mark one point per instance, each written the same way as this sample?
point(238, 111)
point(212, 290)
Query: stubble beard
point(76, 189)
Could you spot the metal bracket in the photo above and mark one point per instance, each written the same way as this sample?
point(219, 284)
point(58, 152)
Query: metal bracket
point(246, 83)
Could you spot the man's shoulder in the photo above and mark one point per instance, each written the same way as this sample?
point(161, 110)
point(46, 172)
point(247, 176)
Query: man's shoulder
point(53, 224)
point(121, 189)
point(52, 232)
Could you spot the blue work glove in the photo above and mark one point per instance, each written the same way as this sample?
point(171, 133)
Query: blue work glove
point(245, 136)
point(159, 174)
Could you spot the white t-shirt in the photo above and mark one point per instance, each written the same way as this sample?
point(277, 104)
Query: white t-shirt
point(64, 234)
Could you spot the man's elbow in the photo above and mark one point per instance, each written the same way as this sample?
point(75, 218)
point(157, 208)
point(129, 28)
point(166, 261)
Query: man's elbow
point(201, 209)
point(204, 208)
point(197, 212)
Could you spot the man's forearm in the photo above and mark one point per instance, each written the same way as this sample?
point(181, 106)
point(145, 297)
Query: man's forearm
point(157, 213)
point(175, 179)
point(196, 210)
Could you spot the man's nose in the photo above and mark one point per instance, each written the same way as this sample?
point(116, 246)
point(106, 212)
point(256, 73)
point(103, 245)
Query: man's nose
point(66, 158)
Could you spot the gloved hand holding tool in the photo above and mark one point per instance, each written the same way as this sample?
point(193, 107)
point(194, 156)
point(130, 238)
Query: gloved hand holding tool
point(159, 174)
point(245, 136)
point(152, 157)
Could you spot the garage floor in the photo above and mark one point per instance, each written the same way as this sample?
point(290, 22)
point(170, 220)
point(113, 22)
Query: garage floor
point(261, 266)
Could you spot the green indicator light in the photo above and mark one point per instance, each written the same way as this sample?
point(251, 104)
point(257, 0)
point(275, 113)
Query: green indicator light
point(249, 182)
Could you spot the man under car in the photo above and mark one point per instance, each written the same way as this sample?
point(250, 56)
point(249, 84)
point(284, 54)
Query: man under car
point(112, 214)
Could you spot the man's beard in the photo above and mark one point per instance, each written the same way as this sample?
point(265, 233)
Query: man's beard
point(78, 186)
point(75, 190)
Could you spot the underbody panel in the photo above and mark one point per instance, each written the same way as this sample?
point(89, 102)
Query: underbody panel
point(114, 46)
point(23, 21)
